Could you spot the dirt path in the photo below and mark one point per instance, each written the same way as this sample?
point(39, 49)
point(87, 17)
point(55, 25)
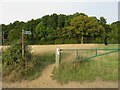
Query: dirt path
point(45, 81)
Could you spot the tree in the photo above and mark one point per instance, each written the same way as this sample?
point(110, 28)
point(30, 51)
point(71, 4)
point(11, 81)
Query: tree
point(107, 29)
point(30, 26)
point(40, 32)
point(83, 26)
point(45, 20)
point(14, 35)
point(6, 29)
point(114, 34)
point(106, 34)
point(54, 21)
point(61, 20)
point(103, 20)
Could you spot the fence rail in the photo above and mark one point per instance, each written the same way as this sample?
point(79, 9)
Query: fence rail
point(109, 51)
point(90, 49)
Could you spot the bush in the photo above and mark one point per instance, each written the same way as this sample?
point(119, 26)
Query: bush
point(12, 60)
point(13, 54)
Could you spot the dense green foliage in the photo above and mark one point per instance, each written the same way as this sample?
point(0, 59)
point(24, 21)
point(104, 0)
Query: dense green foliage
point(13, 54)
point(62, 29)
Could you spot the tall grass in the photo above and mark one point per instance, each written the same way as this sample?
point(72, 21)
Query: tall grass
point(105, 68)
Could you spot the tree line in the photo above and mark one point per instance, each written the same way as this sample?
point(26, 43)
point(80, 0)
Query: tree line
point(77, 28)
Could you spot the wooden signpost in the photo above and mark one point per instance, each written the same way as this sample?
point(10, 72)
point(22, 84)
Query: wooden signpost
point(23, 46)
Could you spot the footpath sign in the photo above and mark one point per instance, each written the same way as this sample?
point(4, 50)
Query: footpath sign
point(27, 32)
point(23, 48)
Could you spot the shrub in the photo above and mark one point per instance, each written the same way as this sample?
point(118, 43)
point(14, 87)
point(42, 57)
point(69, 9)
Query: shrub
point(12, 60)
point(13, 54)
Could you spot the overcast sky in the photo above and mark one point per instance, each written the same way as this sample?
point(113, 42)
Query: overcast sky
point(26, 10)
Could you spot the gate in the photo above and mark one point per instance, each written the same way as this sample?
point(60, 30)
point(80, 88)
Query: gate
point(83, 54)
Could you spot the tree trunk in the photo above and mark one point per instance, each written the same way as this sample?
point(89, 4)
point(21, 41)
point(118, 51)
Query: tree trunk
point(105, 41)
point(82, 39)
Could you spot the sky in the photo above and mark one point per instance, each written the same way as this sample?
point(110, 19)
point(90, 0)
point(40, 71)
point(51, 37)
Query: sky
point(24, 10)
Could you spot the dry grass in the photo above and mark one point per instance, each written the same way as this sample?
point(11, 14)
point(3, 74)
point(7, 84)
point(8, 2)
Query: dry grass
point(37, 49)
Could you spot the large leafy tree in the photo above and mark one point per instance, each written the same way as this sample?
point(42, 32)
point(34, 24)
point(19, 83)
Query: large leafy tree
point(84, 26)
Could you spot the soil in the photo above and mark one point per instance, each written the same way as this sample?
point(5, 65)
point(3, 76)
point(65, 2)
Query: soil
point(45, 81)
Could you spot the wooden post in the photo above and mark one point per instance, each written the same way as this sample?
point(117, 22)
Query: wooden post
point(57, 57)
point(23, 49)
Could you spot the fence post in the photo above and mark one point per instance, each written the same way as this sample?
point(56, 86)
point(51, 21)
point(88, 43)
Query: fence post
point(76, 55)
point(96, 53)
point(57, 56)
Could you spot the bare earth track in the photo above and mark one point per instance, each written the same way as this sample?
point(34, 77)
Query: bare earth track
point(45, 80)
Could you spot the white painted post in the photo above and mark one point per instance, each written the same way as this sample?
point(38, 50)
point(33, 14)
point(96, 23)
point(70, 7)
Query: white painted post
point(57, 56)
